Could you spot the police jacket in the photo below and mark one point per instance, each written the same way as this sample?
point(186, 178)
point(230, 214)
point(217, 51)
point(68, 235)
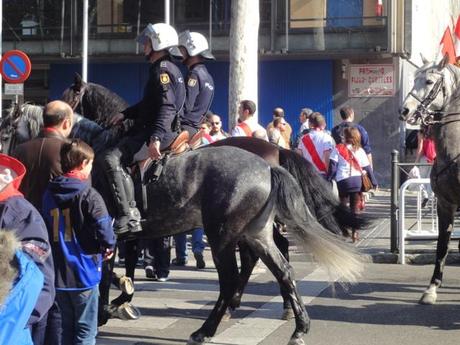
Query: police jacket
point(81, 229)
point(41, 157)
point(200, 92)
point(162, 103)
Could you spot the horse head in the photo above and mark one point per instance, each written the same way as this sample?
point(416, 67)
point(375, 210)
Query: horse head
point(93, 101)
point(74, 94)
point(429, 94)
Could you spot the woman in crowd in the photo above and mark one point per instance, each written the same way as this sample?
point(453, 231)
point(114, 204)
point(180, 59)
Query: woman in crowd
point(348, 162)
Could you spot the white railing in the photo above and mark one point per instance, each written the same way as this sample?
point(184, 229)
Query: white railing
point(417, 232)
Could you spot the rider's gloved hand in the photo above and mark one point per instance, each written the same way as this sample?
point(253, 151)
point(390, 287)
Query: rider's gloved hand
point(154, 149)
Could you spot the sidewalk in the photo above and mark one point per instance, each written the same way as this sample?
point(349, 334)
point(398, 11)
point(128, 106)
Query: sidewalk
point(375, 241)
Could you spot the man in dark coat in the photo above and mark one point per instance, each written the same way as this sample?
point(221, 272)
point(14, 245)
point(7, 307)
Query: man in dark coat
point(41, 155)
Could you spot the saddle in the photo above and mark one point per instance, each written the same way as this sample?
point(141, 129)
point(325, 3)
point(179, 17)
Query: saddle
point(154, 169)
point(179, 145)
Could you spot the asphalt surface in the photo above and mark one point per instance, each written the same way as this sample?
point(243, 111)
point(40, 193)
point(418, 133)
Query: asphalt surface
point(382, 308)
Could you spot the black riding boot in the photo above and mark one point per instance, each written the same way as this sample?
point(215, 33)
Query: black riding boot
point(128, 216)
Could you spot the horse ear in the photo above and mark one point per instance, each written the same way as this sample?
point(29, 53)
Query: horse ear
point(78, 82)
point(424, 59)
point(444, 62)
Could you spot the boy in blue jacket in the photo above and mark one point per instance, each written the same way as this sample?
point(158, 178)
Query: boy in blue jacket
point(82, 234)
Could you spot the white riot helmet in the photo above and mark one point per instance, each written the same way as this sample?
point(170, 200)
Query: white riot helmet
point(195, 44)
point(162, 36)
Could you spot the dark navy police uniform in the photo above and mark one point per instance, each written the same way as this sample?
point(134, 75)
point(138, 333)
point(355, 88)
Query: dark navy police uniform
point(200, 92)
point(155, 116)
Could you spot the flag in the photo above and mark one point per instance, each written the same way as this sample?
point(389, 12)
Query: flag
point(457, 38)
point(379, 8)
point(447, 47)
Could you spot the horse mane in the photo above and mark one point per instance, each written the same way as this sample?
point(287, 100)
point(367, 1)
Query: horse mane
point(100, 100)
point(33, 116)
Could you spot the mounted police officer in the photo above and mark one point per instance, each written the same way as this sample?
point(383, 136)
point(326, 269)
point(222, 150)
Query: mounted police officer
point(200, 92)
point(156, 119)
point(199, 83)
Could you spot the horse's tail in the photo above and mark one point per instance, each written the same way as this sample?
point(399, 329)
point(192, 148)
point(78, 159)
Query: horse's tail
point(341, 260)
point(318, 195)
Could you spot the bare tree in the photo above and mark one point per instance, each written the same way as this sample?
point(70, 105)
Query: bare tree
point(244, 34)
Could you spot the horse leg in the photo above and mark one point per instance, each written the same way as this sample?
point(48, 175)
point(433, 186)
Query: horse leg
point(131, 257)
point(446, 214)
point(104, 290)
point(249, 259)
point(284, 274)
point(227, 269)
point(282, 244)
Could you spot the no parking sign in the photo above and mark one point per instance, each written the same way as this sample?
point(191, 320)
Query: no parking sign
point(15, 66)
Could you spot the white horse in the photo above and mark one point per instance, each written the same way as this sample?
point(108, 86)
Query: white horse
point(435, 101)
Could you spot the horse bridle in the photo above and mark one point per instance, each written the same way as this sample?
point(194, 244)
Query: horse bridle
point(427, 116)
point(78, 100)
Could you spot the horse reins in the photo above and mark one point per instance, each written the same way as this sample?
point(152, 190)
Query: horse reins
point(78, 100)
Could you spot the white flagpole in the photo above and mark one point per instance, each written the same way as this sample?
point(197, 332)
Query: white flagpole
point(84, 74)
point(167, 11)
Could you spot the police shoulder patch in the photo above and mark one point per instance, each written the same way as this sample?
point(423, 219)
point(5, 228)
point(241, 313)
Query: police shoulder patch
point(191, 82)
point(164, 78)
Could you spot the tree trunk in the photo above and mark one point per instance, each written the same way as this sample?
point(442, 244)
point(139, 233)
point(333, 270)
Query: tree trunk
point(244, 35)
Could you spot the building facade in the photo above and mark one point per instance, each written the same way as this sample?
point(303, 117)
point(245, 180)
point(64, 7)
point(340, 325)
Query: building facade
point(321, 54)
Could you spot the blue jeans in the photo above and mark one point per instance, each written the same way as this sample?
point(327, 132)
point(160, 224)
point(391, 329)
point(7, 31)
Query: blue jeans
point(79, 316)
point(197, 243)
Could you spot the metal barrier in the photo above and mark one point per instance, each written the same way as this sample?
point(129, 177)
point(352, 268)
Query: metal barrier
point(396, 168)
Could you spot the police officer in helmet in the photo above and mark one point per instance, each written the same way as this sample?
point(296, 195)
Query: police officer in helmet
point(156, 119)
point(199, 83)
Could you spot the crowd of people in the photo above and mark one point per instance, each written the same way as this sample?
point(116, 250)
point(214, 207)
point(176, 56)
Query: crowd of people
point(62, 223)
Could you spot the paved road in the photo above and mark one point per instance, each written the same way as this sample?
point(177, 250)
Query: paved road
point(382, 309)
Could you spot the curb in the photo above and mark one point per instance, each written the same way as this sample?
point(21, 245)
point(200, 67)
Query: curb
point(423, 258)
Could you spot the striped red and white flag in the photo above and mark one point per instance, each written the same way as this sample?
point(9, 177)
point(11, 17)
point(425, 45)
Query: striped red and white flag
point(457, 38)
point(447, 47)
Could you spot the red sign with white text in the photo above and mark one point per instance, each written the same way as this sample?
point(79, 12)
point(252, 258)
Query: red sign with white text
point(371, 81)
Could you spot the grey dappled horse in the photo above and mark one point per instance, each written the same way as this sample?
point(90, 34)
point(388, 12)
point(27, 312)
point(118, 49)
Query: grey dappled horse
point(435, 100)
point(100, 104)
point(236, 200)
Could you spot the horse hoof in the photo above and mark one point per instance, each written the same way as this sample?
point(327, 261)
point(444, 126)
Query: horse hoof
point(126, 285)
point(194, 341)
point(288, 314)
point(227, 316)
point(428, 298)
point(296, 341)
